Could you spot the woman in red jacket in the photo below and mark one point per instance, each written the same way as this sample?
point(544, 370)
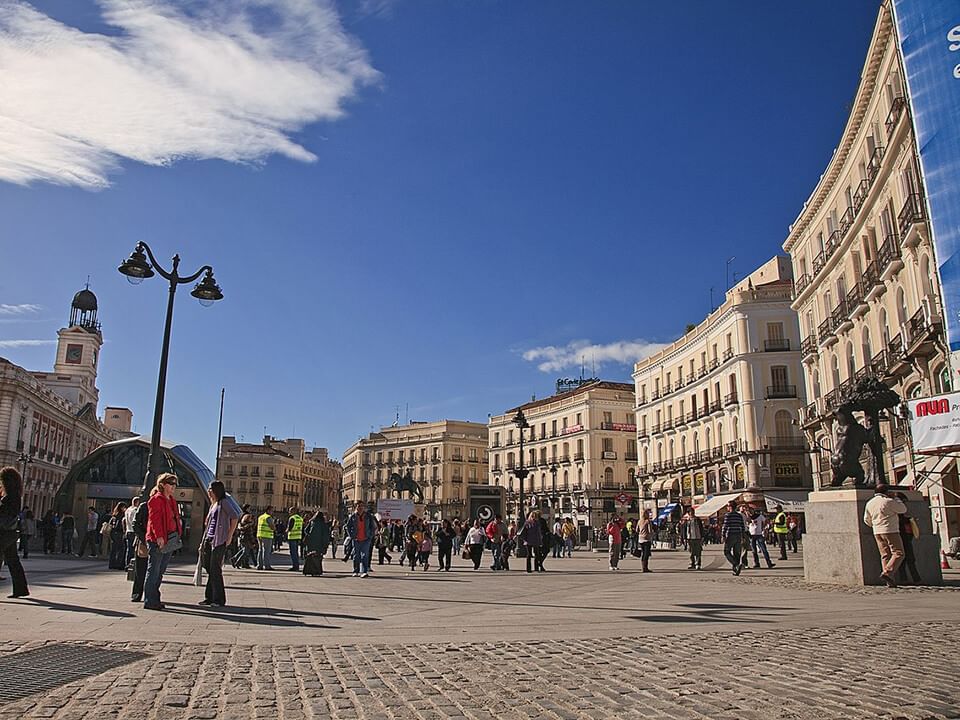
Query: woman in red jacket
point(163, 533)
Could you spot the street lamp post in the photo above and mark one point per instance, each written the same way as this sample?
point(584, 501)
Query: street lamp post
point(138, 268)
point(521, 472)
point(553, 499)
point(24, 460)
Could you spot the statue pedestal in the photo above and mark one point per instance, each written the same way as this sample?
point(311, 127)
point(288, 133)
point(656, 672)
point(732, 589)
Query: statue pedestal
point(839, 548)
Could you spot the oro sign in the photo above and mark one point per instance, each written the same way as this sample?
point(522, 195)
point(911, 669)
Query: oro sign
point(935, 423)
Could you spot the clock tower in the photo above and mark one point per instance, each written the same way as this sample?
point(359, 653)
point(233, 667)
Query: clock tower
point(78, 352)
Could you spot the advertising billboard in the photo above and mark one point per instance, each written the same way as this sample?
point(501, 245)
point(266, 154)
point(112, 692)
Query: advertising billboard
point(935, 423)
point(929, 35)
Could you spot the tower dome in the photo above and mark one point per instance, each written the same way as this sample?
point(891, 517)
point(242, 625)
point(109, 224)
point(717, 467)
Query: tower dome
point(85, 301)
point(83, 311)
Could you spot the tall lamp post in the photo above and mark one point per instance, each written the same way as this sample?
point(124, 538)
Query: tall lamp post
point(521, 472)
point(138, 268)
point(553, 498)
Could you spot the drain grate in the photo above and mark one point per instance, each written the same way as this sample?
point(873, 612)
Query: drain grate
point(51, 666)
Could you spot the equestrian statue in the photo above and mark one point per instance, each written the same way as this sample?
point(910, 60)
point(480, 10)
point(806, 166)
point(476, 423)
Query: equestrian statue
point(406, 482)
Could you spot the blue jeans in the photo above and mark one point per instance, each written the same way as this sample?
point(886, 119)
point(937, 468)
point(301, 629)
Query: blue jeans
point(496, 550)
point(361, 556)
point(128, 555)
point(294, 553)
point(156, 566)
point(756, 541)
point(263, 557)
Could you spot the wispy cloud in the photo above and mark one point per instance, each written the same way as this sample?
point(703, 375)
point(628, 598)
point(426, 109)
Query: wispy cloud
point(18, 310)
point(552, 358)
point(6, 344)
point(227, 79)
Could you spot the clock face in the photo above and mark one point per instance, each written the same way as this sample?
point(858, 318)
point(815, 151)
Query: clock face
point(74, 354)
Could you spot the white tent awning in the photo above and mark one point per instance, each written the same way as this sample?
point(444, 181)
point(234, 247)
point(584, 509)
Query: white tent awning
point(714, 504)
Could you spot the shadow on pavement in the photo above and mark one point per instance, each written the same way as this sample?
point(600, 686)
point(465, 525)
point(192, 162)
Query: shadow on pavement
point(712, 612)
point(77, 608)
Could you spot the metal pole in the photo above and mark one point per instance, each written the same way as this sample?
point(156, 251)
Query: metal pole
point(220, 432)
point(153, 462)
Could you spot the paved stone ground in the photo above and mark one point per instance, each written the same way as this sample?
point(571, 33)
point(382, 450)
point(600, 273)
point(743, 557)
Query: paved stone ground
point(576, 642)
point(829, 673)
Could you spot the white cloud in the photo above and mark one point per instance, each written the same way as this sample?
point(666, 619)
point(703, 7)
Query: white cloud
point(6, 344)
point(21, 309)
point(227, 79)
point(623, 352)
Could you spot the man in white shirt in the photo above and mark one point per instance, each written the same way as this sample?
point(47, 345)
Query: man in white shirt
point(128, 519)
point(882, 514)
point(757, 527)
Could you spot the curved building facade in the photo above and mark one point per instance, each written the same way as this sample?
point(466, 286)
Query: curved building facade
point(866, 289)
point(114, 473)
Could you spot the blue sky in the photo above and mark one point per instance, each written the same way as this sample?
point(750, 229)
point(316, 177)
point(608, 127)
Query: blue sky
point(416, 204)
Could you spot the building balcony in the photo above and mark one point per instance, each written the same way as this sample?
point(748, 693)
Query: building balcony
point(667, 426)
point(911, 214)
point(856, 300)
point(630, 457)
point(691, 377)
point(826, 332)
point(563, 459)
point(875, 162)
point(846, 220)
point(923, 333)
point(794, 444)
point(808, 348)
point(578, 457)
point(889, 259)
point(861, 193)
point(679, 383)
point(776, 345)
point(702, 371)
point(893, 117)
point(841, 317)
point(716, 406)
point(730, 399)
point(781, 392)
point(643, 433)
point(727, 354)
point(800, 284)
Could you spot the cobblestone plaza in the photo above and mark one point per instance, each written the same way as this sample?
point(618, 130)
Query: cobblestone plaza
point(576, 642)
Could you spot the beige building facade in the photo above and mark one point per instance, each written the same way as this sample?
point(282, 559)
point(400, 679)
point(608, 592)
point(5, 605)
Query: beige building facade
point(48, 420)
point(866, 290)
point(580, 452)
point(279, 473)
point(718, 409)
point(443, 457)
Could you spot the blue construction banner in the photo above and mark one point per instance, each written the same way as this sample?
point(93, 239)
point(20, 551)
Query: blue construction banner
point(929, 34)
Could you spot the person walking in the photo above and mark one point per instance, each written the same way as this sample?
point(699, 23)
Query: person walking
point(128, 535)
point(28, 528)
point(646, 532)
point(882, 515)
point(361, 527)
point(265, 530)
point(164, 530)
point(909, 531)
point(568, 531)
point(531, 539)
point(757, 527)
point(426, 550)
point(495, 533)
point(11, 501)
point(793, 535)
point(546, 538)
point(247, 544)
point(48, 533)
point(781, 531)
point(219, 527)
point(140, 552)
point(91, 538)
point(384, 541)
point(732, 532)
point(458, 534)
point(557, 543)
point(615, 530)
point(316, 539)
point(476, 537)
point(693, 529)
point(118, 548)
point(445, 538)
point(294, 535)
point(68, 528)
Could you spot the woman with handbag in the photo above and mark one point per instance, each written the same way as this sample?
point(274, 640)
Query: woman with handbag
point(163, 537)
point(317, 535)
point(11, 499)
point(220, 524)
point(474, 543)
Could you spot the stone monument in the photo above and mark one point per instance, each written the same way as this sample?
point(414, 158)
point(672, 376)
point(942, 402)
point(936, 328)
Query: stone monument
point(838, 547)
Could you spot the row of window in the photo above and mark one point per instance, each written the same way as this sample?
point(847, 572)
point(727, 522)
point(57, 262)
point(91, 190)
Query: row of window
point(411, 455)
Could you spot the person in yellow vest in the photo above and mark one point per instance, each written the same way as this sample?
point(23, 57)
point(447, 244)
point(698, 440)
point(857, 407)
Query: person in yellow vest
point(781, 530)
point(294, 535)
point(265, 539)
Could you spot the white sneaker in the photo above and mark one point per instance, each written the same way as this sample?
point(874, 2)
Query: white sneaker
point(612, 567)
point(363, 574)
point(356, 575)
